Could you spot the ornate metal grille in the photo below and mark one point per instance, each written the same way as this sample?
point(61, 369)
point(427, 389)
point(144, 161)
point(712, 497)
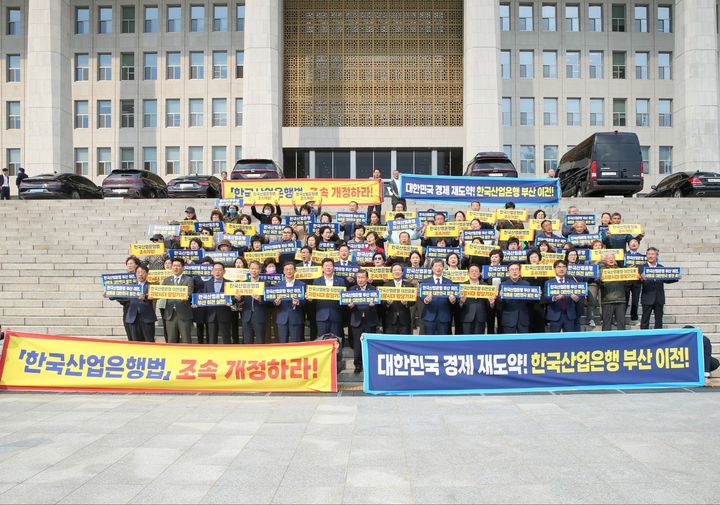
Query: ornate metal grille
point(373, 63)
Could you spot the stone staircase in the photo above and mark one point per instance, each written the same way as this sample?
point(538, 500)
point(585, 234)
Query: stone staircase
point(53, 253)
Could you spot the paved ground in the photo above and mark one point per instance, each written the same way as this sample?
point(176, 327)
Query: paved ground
point(590, 448)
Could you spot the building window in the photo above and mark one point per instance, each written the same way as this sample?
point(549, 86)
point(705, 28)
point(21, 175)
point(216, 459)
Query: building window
point(81, 161)
point(197, 65)
point(238, 112)
point(172, 160)
point(618, 17)
point(597, 112)
point(127, 158)
point(526, 65)
point(151, 19)
point(504, 17)
point(573, 112)
point(549, 18)
point(550, 111)
point(104, 114)
point(150, 66)
point(550, 64)
point(665, 159)
point(173, 65)
point(572, 18)
point(618, 69)
point(664, 66)
point(104, 161)
point(172, 113)
point(596, 64)
point(572, 64)
point(128, 19)
point(197, 18)
point(174, 19)
point(525, 17)
point(82, 20)
point(219, 65)
point(13, 68)
point(641, 18)
point(14, 160)
point(645, 153)
point(219, 158)
point(14, 22)
point(619, 112)
point(13, 115)
point(507, 111)
point(195, 106)
point(127, 67)
point(507, 149)
point(642, 115)
point(105, 20)
point(150, 159)
point(505, 68)
point(82, 114)
point(239, 64)
point(127, 113)
point(219, 112)
point(527, 111)
point(664, 14)
point(240, 17)
point(527, 159)
point(641, 66)
point(195, 159)
point(550, 158)
point(104, 66)
point(81, 66)
point(664, 113)
point(238, 153)
point(595, 23)
point(220, 18)
point(150, 113)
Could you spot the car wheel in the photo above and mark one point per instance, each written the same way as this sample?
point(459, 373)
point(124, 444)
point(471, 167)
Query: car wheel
point(75, 195)
point(580, 192)
point(677, 194)
point(153, 194)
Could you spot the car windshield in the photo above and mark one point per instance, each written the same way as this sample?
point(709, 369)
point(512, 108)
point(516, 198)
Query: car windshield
point(496, 164)
point(617, 151)
point(254, 166)
point(130, 175)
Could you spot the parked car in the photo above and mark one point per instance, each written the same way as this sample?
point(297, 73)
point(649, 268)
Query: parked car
point(50, 186)
point(194, 186)
point(256, 169)
point(684, 184)
point(606, 163)
point(491, 164)
point(133, 183)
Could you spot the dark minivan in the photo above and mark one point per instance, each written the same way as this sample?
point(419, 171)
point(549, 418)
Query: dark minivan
point(133, 183)
point(491, 164)
point(256, 169)
point(603, 164)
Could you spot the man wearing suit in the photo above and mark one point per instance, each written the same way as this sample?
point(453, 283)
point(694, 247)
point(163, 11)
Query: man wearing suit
point(363, 318)
point(5, 185)
point(473, 311)
point(327, 312)
point(218, 316)
point(560, 312)
point(141, 312)
point(397, 318)
point(290, 313)
point(254, 311)
point(178, 313)
point(438, 311)
point(515, 313)
point(309, 307)
point(131, 264)
point(652, 298)
point(348, 227)
point(395, 190)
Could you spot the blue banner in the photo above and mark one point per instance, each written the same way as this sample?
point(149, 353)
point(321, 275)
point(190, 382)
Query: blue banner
point(514, 256)
point(358, 297)
point(487, 190)
point(662, 273)
point(583, 271)
point(508, 292)
point(493, 271)
point(566, 289)
point(227, 202)
point(403, 224)
point(429, 215)
point(442, 252)
point(284, 293)
point(215, 226)
point(351, 217)
point(211, 299)
point(588, 219)
point(635, 259)
point(301, 220)
point(439, 290)
point(438, 364)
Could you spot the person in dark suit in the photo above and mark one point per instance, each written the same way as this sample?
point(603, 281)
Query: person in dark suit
point(397, 318)
point(254, 311)
point(218, 316)
point(290, 313)
point(178, 313)
point(561, 313)
point(473, 311)
point(5, 184)
point(141, 311)
point(131, 264)
point(348, 227)
point(327, 312)
point(395, 191)
point(515, 313)
point(438, 311)
point(652, 297)
point(363, 318)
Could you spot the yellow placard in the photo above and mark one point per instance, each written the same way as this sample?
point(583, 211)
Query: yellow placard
point(539, 270)
point(313, 292)
point(160, 292)
point(523, 235)
point(534, 224)
point(597, 254)
point(456, 276)
point(379, 273)
point(237, 274)
point(244, 288)
point(380, 229)
point(85, 364)
point(188, 226)
point(308, 273)
point(402, 250)
point(208, 241)
point(442, 230)
point(147, 249)
point(619, 274)
point(549, 258)
point(247, 229)
point(625, 229)
point(332, 191)
point(157, 276)
point(484, 216)
point(261, 256)
point(511, 214)
point(319, 255)
point(393, 294)
point(482, 250)
point(409, 214)
point(307, 196)
point(478, 291)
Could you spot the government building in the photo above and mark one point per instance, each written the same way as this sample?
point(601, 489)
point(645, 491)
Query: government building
point(335, 88)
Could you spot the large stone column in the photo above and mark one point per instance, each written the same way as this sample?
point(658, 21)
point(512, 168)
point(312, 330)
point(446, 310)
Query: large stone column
point(48, 98)
point(697, 145)
point(262, 87)
point(482, 118)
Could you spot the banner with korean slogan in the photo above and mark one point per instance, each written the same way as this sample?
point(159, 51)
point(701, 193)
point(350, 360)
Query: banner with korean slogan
point(487, 235)
point(402, 250)
point(273, 293)
point(538, 270)
point(619, 274)
point(360, 297)
point(260, 256)
point(508, 292)
point(351, 217)
point(147, 249)
point(284, 191)
point(227, 202)
point(597, 254)
point(403, 224)
point(166, 230)
point(417, 273)
point(523, 235)
point(395, 294)
point(482, 250)
point(478, 291)
point(566, 289)
point(123, 290)
point(247, 229)
point(308, 273)
point(439, 290)
point(583, 271)
point(511, 214)
point(456, 276)
point(248, 288)
point(475, 364)
point(484, 216)
point(49, 362)
point(494, 271)
point(536, 224)
point(635, 259)
point(662, 273)
point(157, 276)
point(318, 255)
point(409, 214)
point(208, 241)
point(121, 278)
point(379, 273)
point(332, 293)
point(588, 219)
point(236, 274)
point(451, 230)
point(625, 229)
point(170, 292)
point(550, 258)
point(211, 299)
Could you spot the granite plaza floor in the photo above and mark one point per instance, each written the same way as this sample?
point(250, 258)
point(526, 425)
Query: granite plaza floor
point(659, 447)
